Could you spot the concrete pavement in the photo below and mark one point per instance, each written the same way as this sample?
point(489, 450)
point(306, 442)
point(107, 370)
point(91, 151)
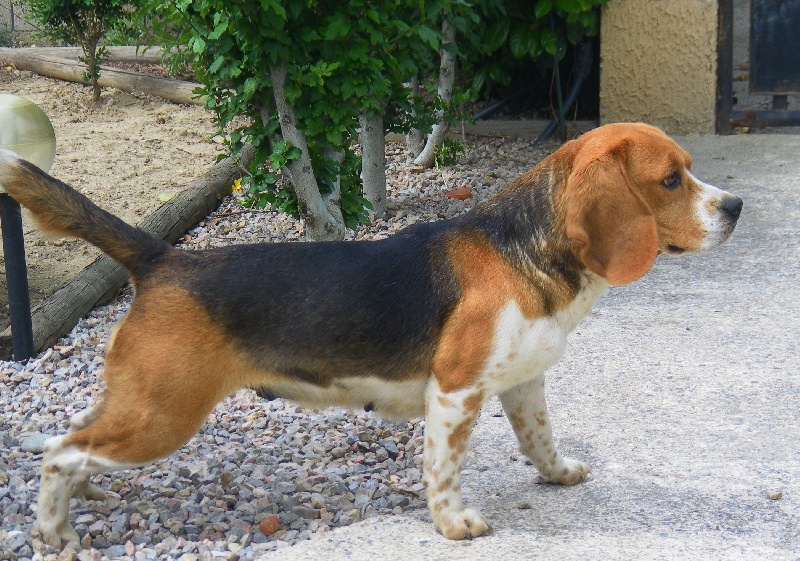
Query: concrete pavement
point(681, 391)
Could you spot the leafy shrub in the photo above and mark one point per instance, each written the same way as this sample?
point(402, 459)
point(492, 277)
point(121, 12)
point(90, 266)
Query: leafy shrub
point(514, 31)
point(345, 61)
point(85, 22)
point(447, 153)
point(5, 36)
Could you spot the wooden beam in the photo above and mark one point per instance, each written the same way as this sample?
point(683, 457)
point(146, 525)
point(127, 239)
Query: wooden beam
point(177, 91)
point(141, 55)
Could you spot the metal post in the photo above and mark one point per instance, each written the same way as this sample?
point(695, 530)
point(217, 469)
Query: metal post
point(562, 132)
point(724, 66)
point(17, 278)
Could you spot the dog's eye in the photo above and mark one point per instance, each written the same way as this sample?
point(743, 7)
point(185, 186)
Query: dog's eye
point(673, 181)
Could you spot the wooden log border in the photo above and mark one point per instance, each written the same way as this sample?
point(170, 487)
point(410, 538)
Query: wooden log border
point(58, 62)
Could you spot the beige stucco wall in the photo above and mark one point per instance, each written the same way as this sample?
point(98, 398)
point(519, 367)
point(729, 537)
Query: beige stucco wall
point(659, 63)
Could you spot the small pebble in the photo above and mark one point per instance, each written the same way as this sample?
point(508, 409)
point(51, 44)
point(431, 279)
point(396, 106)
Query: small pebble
point(269, 525)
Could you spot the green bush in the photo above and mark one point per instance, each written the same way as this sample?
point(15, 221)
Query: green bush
point(345, 59)
point(515, 31)
point(447, 153)
point(82, 22)
point(5, 36)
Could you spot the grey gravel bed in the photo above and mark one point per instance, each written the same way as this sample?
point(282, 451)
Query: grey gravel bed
point(252, 459)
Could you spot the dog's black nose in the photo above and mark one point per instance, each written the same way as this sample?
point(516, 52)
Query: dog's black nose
point(732, 206)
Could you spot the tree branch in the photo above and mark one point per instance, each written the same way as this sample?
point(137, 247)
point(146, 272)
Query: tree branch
point(322, 221)
point(373, 166)
point(415, 140)
point(447, 71)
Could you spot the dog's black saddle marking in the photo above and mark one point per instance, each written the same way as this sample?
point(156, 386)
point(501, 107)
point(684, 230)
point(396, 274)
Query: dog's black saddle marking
point(265, 393)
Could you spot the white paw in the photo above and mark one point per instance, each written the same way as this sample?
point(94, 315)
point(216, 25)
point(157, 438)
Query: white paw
point(58, 535)
point(82, 420)
point(461, 524)
point(565, 472)
point(89, 492)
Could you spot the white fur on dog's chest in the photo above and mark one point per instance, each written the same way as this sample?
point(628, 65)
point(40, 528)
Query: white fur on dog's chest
point(524, 348)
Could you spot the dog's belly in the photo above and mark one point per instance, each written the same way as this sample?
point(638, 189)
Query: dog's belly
point(393, 399)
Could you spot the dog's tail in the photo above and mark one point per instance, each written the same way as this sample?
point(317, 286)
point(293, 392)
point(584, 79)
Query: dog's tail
point(61, 210)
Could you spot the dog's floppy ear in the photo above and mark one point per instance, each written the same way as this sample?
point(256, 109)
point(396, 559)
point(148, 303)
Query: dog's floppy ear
point(612, 225)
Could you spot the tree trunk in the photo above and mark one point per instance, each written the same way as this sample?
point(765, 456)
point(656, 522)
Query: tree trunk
point(324, 221)
point(373, 166)
point(92, 72)
point(447, 71)
point(415, 140)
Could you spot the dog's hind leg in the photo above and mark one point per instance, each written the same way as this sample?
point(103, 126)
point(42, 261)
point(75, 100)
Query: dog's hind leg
point(128, 431)
point(169, 365)
point(83, 419)
point(84, 489)
point(66, 469)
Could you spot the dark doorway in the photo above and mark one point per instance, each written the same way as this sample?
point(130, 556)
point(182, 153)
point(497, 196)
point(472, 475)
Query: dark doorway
point(758, 64)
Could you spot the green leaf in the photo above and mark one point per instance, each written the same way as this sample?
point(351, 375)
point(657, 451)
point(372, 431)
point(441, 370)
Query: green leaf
point(308, 35)
point(569, 6)
point(293, 153)
point(589, 22)
point(542, 8)
point(337, 27)
point(196, 44)
point(250, 86)
point(549, 41)
point(479, 79)
point(218, 31)
point(429, 36)
point(217, 64)
point(495, 36)
point(521, 41)
point(574, 33)
point(274, 6)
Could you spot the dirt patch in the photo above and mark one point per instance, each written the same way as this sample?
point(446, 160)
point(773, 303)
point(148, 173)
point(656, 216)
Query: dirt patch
point(126, 153)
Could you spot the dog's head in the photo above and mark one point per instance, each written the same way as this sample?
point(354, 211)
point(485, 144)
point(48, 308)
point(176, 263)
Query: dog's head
point(630, 195)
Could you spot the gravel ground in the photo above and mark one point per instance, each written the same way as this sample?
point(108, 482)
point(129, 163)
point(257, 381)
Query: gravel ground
point(260, 475)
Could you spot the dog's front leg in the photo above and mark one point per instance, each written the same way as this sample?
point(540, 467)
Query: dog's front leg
point(448, 422)
point(526, 409)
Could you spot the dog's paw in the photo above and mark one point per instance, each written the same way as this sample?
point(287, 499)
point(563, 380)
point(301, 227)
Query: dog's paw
point(82, 419)
point(57, 535)
point(567, 472)
point(461, 524)
point(89, 492)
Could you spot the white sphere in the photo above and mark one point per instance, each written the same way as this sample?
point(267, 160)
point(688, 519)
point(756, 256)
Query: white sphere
point(26, 131)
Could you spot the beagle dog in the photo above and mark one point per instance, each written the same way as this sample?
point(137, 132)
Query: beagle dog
point(431, 321)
